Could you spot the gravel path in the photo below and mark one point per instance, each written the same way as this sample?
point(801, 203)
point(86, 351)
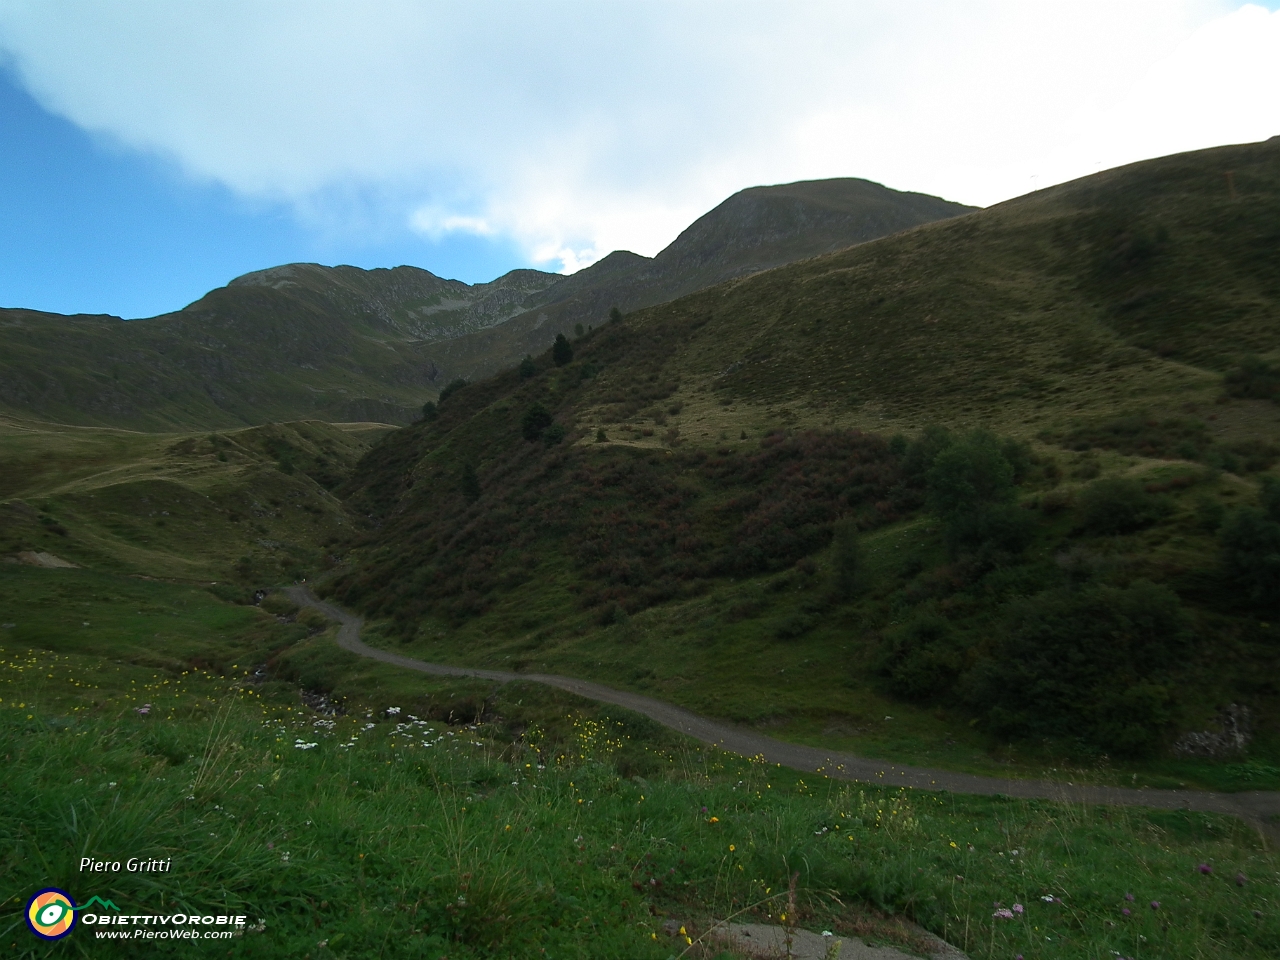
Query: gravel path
point(1255, 806)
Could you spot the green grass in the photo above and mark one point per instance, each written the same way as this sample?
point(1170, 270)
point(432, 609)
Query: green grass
point(402, 837)
point(143, 623)
point(246, 505)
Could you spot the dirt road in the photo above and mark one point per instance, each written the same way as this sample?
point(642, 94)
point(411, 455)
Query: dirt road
point(1256, 807)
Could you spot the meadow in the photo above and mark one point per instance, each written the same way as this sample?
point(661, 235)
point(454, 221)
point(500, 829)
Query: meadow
point(414, 816)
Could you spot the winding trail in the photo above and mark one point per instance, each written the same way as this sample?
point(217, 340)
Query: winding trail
point(1255, 806)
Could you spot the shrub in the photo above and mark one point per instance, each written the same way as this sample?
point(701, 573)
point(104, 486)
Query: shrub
point(1090, 662)
point(990, 529)
point(846, 557)
point(922, 658)
point(1119, 506)
point(451, 389)
point(578, 331)
point(1269, 498)
point(969, 474)
point(918, 455)
point(429, 411)
point(470, 483)
point(794, 625)
point(535, 420)
point(1020, 457)
point(561, 350)
point(527, 368)
point(1254, 378)
point(1251, 552)
point(1209, 513)
point(1055, 501)
point(615, 315)
point(553, 434)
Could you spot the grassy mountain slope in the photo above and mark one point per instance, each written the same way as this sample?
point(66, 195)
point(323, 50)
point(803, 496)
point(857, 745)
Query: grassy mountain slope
point(755, 229)
point(251, 505)
point(710, 445)
point(339, 343)
point(299, 341)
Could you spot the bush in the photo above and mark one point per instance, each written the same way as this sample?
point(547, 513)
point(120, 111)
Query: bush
point(451, 389)
point(1269, 498)
point(1209, 513)
point(429, 411)
point(1119, 506)
point(846, 557)
point(922, 658)
point(1094, 663)
point(918, 455)
point(1254, 378)
point(470, 483)
point(993, 528)
point(535, 420)
point(971, 485)
point(553, 434)
point(1251, 552)
point(969, 474)
point(561, 350)
point(1020, 456)
point(615, 315)
point(527, 368)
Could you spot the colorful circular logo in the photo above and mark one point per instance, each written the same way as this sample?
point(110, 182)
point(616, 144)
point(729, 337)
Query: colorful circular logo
point(51, 913)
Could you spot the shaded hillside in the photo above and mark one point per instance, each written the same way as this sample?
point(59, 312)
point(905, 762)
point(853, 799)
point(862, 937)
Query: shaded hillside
point(755, 229)
point(414, 303)
point(340, 344)
point(667, 499)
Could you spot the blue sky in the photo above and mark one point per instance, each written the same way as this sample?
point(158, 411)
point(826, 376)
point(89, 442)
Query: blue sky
point(94, 227)
point(150, 151)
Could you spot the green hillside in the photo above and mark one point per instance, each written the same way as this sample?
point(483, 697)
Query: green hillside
point(295, 342)
point(302, 341)
point(754, 230)
point(663, 506)
point(250, 506)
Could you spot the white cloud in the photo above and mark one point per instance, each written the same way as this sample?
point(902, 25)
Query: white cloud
point(580, 127)
point(436, 223)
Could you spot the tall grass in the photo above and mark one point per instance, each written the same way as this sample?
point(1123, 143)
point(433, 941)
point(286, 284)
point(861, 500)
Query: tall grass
point(393, 836)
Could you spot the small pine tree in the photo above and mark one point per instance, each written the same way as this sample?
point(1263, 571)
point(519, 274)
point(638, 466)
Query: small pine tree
point(615, 315)
point(527, 368)
point(470, 483)
point(561, 350)
point(451, 389)
point(577, 330)
point(535, 420)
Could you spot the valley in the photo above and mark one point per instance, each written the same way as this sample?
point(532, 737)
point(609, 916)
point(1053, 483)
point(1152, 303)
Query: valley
point(988, 492)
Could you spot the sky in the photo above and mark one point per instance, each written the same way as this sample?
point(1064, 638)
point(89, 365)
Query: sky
point(151, 150)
